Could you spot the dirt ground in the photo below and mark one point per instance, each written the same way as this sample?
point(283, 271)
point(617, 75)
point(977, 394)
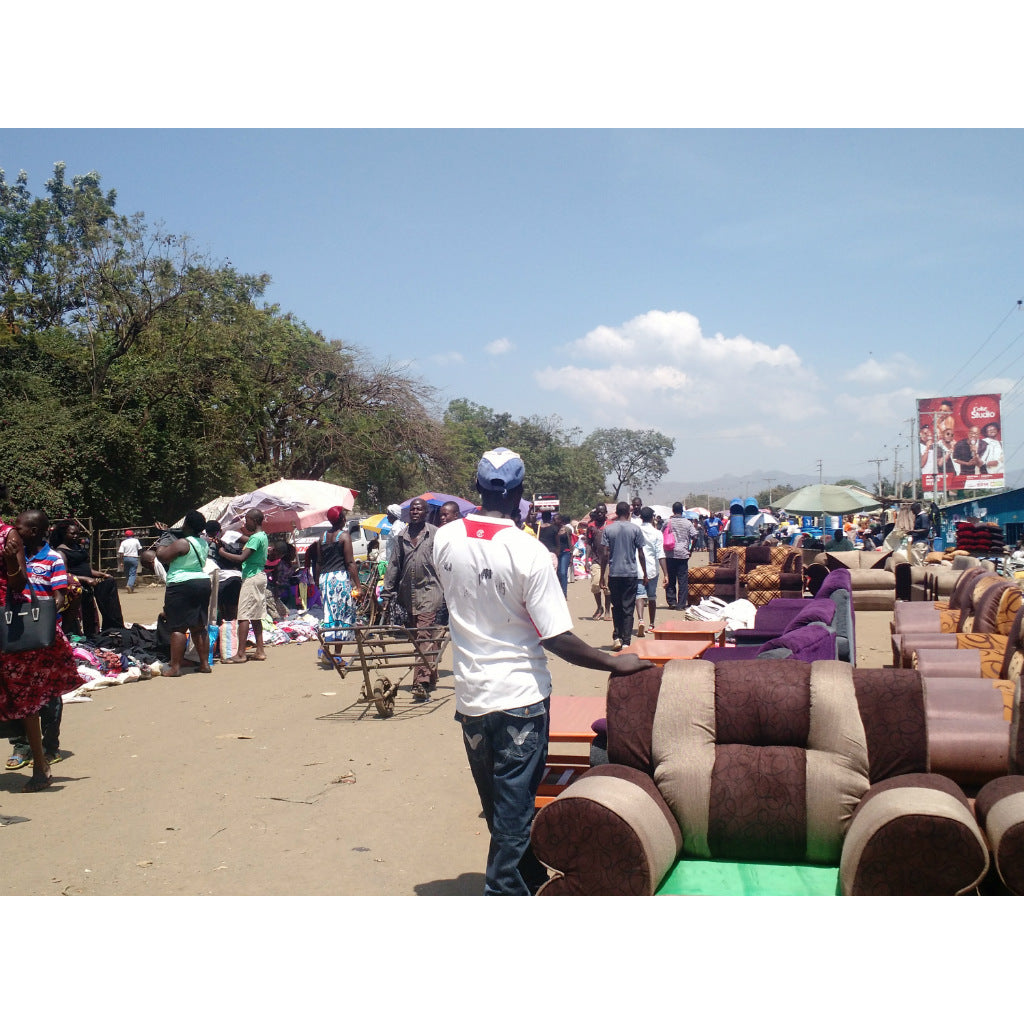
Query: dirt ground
point(269, 778)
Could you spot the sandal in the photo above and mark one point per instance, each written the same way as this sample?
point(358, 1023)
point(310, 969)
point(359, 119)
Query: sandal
point(17, 761)
point(37, 783)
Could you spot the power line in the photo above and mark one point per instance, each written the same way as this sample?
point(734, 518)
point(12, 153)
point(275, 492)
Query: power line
point(1013, 308)
point(999, 355)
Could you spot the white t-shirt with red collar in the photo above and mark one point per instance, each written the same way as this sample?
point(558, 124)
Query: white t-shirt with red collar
point(503, 598)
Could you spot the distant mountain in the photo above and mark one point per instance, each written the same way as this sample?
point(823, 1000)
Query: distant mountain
point(732, 486)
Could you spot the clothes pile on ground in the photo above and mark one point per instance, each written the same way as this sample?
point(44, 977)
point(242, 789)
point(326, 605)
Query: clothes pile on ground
point(127, 654)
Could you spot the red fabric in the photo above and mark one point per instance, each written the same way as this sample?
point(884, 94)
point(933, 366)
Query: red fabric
point(29, 679)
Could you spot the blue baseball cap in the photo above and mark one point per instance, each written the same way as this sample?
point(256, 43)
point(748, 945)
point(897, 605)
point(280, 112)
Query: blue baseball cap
point(500, 471)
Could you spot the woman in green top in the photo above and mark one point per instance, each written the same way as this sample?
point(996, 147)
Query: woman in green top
point(187, 598)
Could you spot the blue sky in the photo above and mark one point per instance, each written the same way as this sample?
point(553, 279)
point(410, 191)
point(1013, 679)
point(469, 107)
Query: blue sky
point(768, 297)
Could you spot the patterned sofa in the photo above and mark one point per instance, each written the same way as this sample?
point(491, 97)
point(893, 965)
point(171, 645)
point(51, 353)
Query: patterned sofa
point(757, 762)
point(970, 705)
point(759, 573)
point(984, 627)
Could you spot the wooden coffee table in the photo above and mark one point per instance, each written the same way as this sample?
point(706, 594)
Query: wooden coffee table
point(570, 723)
point(690, 629)
point(662, 651)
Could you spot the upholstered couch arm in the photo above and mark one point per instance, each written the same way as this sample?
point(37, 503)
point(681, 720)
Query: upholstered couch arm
point(609, 834)
point(934, 663)
point(1000, 810)
point(913, 835)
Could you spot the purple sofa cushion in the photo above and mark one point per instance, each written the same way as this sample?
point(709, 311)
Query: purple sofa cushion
point(813, 642)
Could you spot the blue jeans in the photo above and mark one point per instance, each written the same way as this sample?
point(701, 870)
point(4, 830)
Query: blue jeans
point(507, 751)
point(131, 569)
point(564, 561)
point(678, 576)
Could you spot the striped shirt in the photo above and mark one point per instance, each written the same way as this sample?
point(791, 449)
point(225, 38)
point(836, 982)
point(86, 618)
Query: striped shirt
point(46, 572)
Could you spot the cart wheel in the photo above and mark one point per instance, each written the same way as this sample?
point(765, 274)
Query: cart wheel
point(384, 698)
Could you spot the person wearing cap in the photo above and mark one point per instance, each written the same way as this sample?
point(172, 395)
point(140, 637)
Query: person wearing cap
point(506, 609)
point(128, 558)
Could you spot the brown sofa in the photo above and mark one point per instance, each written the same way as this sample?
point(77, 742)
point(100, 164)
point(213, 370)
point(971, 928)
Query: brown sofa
point(932, 581)
point(754, 761)
point(874, 582)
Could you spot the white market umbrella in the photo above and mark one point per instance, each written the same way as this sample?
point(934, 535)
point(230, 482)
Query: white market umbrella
point(818, 499)
point(317, 495)
point(762, 519)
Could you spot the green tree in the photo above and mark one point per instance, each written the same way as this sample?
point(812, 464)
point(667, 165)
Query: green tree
point(145, 378)
point(555, 460)
point(634, 459)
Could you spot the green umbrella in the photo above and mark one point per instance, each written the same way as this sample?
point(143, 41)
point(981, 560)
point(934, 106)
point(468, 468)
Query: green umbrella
point(818, 499)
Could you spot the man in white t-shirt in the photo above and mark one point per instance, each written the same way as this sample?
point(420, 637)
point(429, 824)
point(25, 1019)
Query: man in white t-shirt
point(654, 559)
point(128, 558)
point(505, 608)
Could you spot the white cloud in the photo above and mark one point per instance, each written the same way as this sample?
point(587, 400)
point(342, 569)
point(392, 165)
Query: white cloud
point(734, 404)
point(447, 358)
point(499, 347)
point(659, 370)
point(872, 372)
point(879, 408)
point(676, 338)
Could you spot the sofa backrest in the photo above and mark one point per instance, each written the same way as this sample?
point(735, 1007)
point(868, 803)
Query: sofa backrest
point(878, 559)
point(766, 760)
point(964, 585)
point(995, 610)
point(976, 600)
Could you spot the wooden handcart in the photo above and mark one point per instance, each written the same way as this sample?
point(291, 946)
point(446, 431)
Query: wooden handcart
point(387, 655)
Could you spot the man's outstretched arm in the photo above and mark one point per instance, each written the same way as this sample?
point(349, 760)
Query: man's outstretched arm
point(569, 647)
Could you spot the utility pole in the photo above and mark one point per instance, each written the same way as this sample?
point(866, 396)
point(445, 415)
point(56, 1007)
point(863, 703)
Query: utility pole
point(895, 453)
point(878, 468)
point(914, 474)
point(819, 471)
point(769, 483)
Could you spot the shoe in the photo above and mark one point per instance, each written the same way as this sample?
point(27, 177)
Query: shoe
point(616, 644)
point(641, 630)
point(17, 761)
point(419, 692)
point(55, 758)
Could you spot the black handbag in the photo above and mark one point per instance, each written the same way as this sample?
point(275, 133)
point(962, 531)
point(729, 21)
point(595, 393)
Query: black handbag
point(27, 626)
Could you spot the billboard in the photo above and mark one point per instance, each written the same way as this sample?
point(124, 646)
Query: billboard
point(960, 443)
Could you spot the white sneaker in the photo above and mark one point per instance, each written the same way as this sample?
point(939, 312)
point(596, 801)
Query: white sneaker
point(641, 630)
point(616, 644)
